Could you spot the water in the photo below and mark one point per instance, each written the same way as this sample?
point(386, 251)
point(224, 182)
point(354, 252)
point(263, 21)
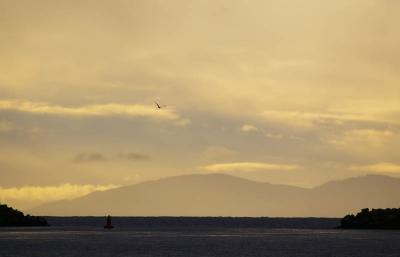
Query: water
point(164, 238)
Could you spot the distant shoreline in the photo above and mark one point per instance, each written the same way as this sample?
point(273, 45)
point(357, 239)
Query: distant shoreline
point(197, 222)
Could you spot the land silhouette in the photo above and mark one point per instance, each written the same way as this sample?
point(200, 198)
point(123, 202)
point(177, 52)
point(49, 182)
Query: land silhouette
point(225, 195)
point(13, 217)
point(373, 219)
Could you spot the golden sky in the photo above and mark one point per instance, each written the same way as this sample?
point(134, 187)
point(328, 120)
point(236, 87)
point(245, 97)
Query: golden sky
point(292, 92)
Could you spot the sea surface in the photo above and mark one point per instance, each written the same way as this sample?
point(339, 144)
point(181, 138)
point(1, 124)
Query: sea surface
point(219, 237)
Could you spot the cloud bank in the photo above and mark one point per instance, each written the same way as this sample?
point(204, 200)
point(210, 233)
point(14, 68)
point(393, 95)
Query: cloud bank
point(312, 119)
point(248, 128)
point(110, 109)
point(249, 166)
point(50, 193)
point(382, 167)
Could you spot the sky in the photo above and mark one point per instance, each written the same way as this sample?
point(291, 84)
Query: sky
point(288, 92)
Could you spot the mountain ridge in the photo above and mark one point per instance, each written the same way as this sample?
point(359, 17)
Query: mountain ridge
point(226, 195)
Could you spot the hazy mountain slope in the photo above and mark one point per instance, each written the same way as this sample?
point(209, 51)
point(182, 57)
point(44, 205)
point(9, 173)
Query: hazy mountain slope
point(223, 195)
point(337, 198)
point(193, 195)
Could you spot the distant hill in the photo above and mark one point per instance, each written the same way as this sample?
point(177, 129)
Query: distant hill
point(224, 195)
point(12, 217)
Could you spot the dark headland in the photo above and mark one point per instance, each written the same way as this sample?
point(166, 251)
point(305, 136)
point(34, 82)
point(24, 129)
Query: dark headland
point(373, 219)
point(12, 217)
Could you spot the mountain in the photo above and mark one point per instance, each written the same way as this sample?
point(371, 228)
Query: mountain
point(224, 195)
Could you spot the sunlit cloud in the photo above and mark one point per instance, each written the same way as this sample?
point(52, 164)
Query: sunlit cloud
point(50, 193)
point(273, 136)
point(110, 109)
point(249, 166)
point(370, 137)
point(312, 119)
point(370, 133)
point(383, 167)
point(248, 128)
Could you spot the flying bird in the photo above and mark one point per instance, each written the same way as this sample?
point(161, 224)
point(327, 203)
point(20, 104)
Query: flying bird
point(159, 106)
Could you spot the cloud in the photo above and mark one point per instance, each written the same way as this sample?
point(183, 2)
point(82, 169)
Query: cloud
point(311, 119)
point(372, 144)
point(383, 167)
point(273, 136)
point(110, 109)
point(355, 137)
point(133, 156)
point(249, 166)
point(89, 157)
point(248, 128)
point(98, 157)
point(370, 133)
point(50, 193)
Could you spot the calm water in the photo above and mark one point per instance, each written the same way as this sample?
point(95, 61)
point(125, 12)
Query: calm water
point(228, 240)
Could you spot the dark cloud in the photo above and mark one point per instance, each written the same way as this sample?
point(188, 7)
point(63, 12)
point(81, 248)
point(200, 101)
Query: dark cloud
point(133, 156)
point(98, 157)
point(89, 157)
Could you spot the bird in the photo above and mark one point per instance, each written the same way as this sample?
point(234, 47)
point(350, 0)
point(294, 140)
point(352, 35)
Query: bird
point(159, 106)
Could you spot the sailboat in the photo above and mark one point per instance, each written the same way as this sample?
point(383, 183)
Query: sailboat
point(108, 223)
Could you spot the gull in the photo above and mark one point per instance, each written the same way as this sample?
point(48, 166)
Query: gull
point(159, 106)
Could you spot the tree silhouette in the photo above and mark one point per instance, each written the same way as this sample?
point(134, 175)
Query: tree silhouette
point(12, 217)
point(373, 219)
